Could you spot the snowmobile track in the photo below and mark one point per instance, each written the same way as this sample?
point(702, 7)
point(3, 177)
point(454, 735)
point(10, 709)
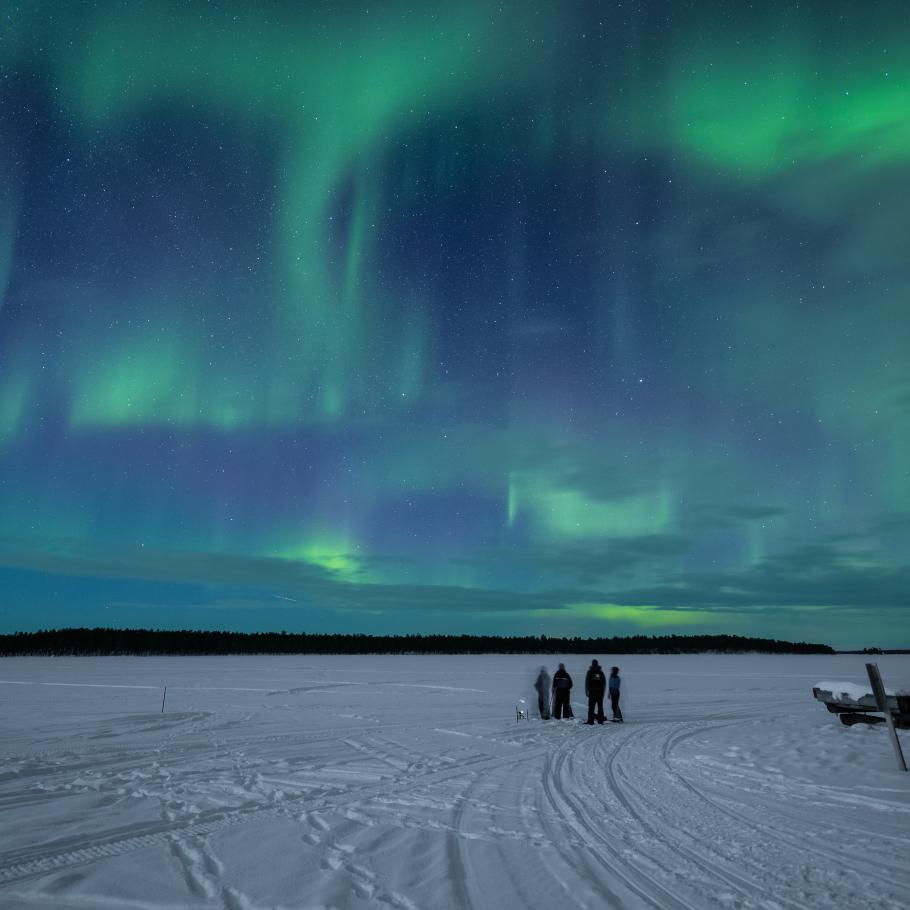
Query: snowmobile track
point(58, 855)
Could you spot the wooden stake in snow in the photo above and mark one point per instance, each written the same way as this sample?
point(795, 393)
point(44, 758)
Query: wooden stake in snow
point(163, 697)
point(878, 690)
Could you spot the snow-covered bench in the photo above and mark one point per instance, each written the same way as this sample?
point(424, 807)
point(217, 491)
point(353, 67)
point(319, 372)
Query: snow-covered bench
point(857, 705)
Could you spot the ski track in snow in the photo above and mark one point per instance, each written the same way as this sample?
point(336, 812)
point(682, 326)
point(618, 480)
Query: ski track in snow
point(314, 792)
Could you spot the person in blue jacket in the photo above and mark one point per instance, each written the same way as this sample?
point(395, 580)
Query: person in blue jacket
point(614, 684)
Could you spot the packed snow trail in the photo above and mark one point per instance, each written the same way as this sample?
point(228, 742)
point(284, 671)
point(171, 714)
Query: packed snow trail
point(405, 782)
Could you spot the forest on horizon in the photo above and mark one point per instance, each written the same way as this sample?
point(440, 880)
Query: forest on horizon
point(104, 641)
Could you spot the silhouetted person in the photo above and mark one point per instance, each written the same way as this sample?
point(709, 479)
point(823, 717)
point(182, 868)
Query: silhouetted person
point(562, 689)
point(595, 686)
point(614, 684)
point(542, 685)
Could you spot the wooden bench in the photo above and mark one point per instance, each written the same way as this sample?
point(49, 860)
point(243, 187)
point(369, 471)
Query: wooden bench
point(864, 710)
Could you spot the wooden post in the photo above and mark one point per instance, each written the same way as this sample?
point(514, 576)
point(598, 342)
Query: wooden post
point(163, 697)
point(878, 690)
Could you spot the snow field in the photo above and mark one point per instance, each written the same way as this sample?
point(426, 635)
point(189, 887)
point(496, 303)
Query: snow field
point(405, 782)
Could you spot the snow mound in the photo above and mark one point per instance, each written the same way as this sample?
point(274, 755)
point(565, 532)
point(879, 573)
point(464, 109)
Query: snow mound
point(857, 692)
point(847, 690)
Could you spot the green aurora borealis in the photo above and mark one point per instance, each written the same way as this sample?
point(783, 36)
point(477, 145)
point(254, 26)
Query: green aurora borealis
point(539, 318)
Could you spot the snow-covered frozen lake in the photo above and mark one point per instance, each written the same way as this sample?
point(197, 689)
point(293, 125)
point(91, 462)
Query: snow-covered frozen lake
point(406, 782)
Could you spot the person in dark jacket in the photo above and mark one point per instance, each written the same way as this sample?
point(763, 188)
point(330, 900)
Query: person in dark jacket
point(562, 689)
point(614, 684)
point(542, 685)
point(595, 686)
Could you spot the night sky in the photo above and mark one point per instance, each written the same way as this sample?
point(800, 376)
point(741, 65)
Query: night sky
point(564, 318)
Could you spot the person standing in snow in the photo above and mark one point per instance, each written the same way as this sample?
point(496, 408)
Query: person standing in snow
point(614, 684)
point(595, 686)
point(542, 685)
point(562, 688)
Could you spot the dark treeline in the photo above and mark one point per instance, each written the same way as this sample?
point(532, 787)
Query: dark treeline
point(63, 642)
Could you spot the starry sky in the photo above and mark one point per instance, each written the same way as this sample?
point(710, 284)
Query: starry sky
point(582, 318)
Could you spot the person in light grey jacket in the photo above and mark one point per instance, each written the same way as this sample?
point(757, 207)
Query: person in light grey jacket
point(542, 685)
